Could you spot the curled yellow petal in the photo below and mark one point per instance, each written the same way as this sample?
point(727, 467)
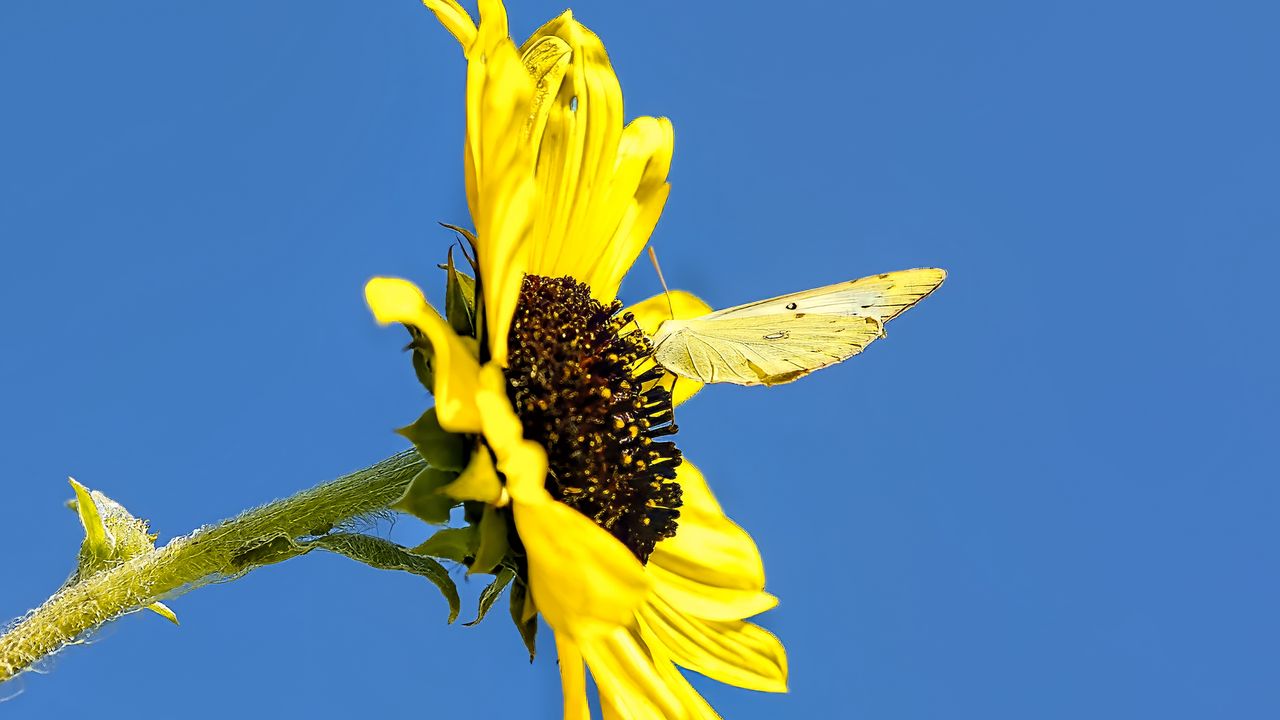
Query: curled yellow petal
point(396, 300)
point(455, 19)
point(478, 481)
point(546, 57)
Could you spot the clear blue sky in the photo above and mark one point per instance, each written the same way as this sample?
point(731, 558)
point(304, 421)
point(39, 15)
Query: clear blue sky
point(1050, 493)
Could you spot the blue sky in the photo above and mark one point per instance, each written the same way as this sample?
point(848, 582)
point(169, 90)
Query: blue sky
point(1050, 493)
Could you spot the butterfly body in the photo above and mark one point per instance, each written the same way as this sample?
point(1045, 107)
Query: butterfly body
point(778, 340)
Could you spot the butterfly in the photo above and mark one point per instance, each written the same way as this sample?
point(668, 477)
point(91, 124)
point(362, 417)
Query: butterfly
point(778, 340)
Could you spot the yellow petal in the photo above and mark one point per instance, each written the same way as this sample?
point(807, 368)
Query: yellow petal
point(572, 679)
point(709, 602)
point(583, 579)
point(500, 189)
point(708, 547)
point(733, 652)
point(546, 57)
point(455, 19)
point(478, 481)
point(636, 196)
point(695, 706)
point(523, 462)
point(651, 313)
point(601, 188)
point(628, 680)
point(456, 369)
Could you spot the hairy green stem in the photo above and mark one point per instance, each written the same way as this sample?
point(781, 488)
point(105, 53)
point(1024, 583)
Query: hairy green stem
point(227, 550)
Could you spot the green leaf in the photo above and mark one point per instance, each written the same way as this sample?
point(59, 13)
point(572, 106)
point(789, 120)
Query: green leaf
point(441, 449)
point(493, 541)
point(268, 552)
point(491, 593)
point(460, 299)
point(456, 544)
point(423, 498)
point(524, 616)
point(385, 555)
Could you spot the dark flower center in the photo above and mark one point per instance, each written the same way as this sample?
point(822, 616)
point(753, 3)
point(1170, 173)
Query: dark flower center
point(572, 381)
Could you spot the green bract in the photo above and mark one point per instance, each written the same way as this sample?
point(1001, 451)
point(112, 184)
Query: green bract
point(461, 472)
point(111, 536)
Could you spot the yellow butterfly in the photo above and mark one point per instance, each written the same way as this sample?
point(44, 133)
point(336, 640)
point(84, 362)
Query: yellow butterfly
point(775, 341)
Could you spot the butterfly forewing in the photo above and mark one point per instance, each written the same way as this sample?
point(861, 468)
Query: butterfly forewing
point(882, 297)
point(783, 338)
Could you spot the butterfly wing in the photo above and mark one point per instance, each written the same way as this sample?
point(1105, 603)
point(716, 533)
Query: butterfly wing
point(777, 340)
point(883, 297)
point(760, 351)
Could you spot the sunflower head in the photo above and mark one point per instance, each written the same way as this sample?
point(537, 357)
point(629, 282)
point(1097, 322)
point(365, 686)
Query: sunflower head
point(581, 380)
point(552, 463)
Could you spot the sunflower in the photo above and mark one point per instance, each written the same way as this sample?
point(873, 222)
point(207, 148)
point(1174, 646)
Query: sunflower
point(552, 425)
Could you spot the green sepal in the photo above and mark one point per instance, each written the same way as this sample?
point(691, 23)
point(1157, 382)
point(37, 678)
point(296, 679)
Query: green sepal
point(423, 353)
point(385, 555)
point(456, 544)
point(470, 237)
point(490, 594)
point(460, 299)
point(163, 611)
point(112, 535)
point(423, 498)
point(441, 449)
point(493, 545)
point(524, 616)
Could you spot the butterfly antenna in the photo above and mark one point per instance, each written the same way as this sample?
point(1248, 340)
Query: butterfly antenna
point(653, 257)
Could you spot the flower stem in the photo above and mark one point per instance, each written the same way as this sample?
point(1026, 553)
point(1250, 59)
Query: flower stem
point(227, 550)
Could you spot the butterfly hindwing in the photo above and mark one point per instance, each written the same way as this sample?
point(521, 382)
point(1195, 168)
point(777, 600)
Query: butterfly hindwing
point(747, 351)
